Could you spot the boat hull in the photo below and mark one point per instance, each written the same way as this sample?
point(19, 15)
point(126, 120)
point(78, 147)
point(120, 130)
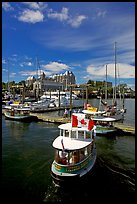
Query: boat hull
point(20, 118)
point(105, 130)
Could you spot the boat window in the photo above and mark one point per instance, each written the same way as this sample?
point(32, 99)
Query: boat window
point(82, 154)
point(26, 112)
point(88, 135)
point(61, 157)
point(86, 152)
point(81, 134)
point(73, 134)
point(89, 149)
point(66, 133)
point(75, 157)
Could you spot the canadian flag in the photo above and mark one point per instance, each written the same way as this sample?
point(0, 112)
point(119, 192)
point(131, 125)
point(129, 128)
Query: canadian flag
point(74, 121)
point(78, 121)
point(90, 124)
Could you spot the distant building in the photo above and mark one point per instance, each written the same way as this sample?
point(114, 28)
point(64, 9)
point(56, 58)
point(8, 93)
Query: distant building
point(30, 80)
point(52, 83)
point(67, 78)
point(47, 85)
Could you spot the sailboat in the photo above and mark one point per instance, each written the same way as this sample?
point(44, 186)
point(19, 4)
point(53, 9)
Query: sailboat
point(113, 110)
point(104, 119)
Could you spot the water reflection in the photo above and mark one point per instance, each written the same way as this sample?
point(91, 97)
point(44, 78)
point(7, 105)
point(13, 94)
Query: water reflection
point(17, 129)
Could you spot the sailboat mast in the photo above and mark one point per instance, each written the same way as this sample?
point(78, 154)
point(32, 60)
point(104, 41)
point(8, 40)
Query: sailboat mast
point(106, 86)
point(115, 74)
point(37, 68)
point(8, 78)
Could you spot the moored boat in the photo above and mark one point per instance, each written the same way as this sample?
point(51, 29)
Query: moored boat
point(75, 150)
point(104, 124)
point(17, 112)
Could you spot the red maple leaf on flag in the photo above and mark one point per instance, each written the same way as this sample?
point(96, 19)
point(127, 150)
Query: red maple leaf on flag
point(83, 122)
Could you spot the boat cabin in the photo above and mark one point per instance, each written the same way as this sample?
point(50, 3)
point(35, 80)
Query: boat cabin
point(73, 148)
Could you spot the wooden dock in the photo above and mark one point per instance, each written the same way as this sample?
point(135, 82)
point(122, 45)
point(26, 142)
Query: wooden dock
point(122, 128)
point(55, 109)
point(51, 119)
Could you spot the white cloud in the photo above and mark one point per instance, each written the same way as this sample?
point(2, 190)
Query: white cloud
point(35, 5)
point(76, 22)
point(101, 13)
point(23, 64)
point(33, 73)
point(29, 64)
point(59, 16)
point(56, 67)
point(32, 5)
point(4, 61)
point(27, 73)
point(123, 70)
point(30, 16)
point(64, 16)
point(6, 6)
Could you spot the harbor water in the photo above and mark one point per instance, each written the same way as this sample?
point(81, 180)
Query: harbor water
point(27, 155)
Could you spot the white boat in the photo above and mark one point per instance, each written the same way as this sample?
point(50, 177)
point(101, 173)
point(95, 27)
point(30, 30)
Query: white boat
point(40, 105)
point(104, 124)
point(17, 112)
point(55, 94)
point(63, 101)
point(75, 150)
point(114, 112)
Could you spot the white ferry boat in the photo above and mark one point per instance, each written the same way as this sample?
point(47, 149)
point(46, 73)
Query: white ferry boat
point(75, 150)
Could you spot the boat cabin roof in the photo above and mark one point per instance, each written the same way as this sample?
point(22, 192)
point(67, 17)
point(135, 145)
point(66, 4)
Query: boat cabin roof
point(8, 107)
point(70, 143)
point(17, 108)
point(23, 109)
point(93, 113)
point(103, 118)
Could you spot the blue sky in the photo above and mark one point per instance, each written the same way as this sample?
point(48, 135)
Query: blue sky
point(75, 36)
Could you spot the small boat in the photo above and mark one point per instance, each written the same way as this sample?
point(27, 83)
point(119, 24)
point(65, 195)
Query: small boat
point(17, 112)
point(63, 102)
point(75, 150)
point(40, 106)
point(104, 124)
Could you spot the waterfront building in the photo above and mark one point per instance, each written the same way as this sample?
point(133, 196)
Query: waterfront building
point(67, 78)
point(30, 80)
point(47, 84)
point(54, 82)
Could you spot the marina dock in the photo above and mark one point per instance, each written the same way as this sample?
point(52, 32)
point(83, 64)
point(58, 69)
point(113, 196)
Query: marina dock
point(122, 128)
point(51, 119)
